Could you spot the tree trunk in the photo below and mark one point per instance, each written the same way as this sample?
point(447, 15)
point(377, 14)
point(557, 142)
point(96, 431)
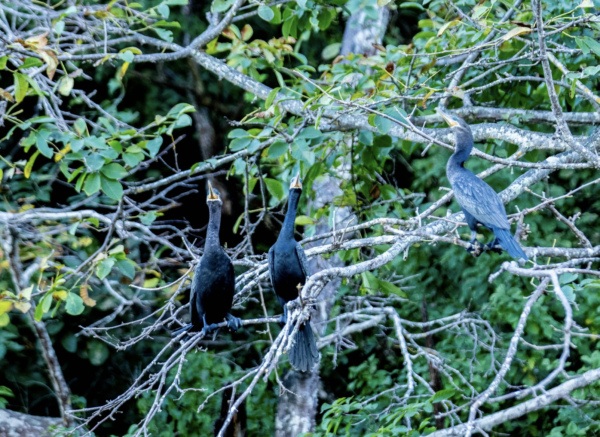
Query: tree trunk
point(237, 426)
point(296, 412)
point(13, 424)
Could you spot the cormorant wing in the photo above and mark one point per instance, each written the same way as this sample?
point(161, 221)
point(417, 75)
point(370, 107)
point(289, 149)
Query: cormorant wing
point(481, 201)
point(303, 259)
point(271, 260)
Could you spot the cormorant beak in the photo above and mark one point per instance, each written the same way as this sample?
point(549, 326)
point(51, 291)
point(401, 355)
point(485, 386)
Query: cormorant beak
point(211, 194)
point(447, 117)
point(296, 182)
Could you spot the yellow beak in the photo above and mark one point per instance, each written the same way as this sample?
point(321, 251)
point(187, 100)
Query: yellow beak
point(447, 117)
point(296, 183)
point(211, 194)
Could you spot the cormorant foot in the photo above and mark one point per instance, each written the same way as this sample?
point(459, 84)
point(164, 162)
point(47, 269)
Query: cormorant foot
point(233, 323)
point(492, 247)
point(475, 248)
point(208, 329)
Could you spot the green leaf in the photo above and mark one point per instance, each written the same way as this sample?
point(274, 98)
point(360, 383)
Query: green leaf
point(271, 97)
point(414, 5)
point(3, 60)
point(163, 10)
point(69, 342)
point(182, 121)
point(42, 145)
point(265, 13)
point(94, 161)
point(442, 395)
point(309, 133)
point(237, 223)
point(238, 133)
point(274, 187)
point(163, 34)
point(148, 218)
point(21, 87)
point(153, 146)
point(239, 144)
point(92, 184)
point(277, 149)
point(39, 313)
point(97, 352)
point(303, 220)
point(176, 2)
point(111, 188)
point(126, 56)
point(331, 51)
point(370, 282)
point(325, 18)
point(80, 127)
point(127, 267)
point(76, 145)
point(382, 124)
point(133, 159)
point(79, 183)
point(114, 171)
point(567, 278)
point(389, 288)
point(29, 165)
point(74, 305)
point(104, 268)
point(31, 62)
point(221, 5)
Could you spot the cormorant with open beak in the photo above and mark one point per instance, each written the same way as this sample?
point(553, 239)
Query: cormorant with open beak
point(213, 285)
point(288, 267)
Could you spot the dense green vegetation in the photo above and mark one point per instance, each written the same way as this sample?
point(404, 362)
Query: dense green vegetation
point(111, 129)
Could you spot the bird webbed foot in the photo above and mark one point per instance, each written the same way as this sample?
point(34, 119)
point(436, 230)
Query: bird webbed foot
point(475, 248)
point(491, 246)
point(208, 329)
point(233, 323)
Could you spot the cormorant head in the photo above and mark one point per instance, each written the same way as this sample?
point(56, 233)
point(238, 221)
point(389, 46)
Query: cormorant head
point(213, 195)
point(456, 123)
point(296, 183)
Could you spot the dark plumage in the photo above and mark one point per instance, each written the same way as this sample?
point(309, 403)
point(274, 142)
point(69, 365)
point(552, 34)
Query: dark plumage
point(213, 285)
point(288, 268)
point(479, 202)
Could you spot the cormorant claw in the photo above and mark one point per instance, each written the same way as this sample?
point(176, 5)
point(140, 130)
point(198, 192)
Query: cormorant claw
point(233, 323)
point(475, 248)
point(492, 247)
point(208, 329)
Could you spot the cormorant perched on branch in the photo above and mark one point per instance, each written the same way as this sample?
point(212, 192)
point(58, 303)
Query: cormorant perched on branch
point(479, 202)
point(213, 285)
point(288, 268)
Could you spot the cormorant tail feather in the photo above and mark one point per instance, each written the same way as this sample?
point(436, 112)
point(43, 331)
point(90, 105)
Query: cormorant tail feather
point(304, 354)
point(508, 243)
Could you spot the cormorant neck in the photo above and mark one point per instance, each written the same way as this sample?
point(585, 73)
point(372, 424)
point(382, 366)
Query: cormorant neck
point(464, 146)
point(287, 231)
point(214, 224)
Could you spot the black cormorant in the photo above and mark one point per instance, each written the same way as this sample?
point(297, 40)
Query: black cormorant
point(213, 285)
point(288, 268)
point(479, 202)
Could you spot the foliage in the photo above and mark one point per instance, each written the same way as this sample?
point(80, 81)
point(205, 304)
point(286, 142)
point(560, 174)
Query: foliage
point(103, 157)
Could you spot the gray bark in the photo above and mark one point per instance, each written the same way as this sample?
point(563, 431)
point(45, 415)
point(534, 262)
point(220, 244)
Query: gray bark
point(296, 412)
point(13, 424)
